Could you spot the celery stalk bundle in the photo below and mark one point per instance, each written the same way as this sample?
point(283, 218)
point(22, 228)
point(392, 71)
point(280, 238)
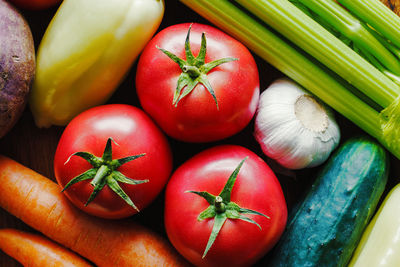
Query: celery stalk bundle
point(347, 55)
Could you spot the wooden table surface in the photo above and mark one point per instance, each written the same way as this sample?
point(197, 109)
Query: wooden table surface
point(35, 147)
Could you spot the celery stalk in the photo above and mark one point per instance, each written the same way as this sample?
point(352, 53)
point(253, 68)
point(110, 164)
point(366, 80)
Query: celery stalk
point(289, 60)
point(353, 29)
point(290, 21)
point(390, 120)
point(379, 16)
point(390, 46)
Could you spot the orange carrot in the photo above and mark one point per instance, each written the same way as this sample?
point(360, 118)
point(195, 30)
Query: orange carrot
point(37, 251)
point(38, 202)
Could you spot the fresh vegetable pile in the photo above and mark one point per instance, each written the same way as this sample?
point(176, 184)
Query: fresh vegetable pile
point(353, 78)
point(196, 132)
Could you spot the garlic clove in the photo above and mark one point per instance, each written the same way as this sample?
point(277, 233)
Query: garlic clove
point(293, 127)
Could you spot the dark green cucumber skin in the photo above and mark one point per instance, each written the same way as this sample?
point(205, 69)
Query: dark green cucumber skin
point(325, 228)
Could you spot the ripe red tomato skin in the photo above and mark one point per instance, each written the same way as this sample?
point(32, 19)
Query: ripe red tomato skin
point(135, 133)
point(35, 4)
point(196, 117)
point(239, 243)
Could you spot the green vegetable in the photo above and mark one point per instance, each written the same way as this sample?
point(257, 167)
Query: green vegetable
point(379, 244)
point(344, 25)
point(323, 46)
point(326, 227)
point(376, 14)
point(362, 87)
point(85, 53)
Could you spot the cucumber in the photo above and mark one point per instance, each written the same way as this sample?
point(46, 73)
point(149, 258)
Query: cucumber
point(326, 227)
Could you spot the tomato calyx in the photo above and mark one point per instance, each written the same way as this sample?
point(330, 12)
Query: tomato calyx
point(222, 208)
point(194, 69)
point(104, 172)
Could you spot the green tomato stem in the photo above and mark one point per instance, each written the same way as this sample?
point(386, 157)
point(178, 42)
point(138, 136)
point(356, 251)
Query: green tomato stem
point(219, 205)
point(221, 208)
point(104, 172)
point(193, 71)
point(100, 175)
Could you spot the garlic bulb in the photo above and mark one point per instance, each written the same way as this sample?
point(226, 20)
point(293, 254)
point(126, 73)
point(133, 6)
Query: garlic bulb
point(293, 127)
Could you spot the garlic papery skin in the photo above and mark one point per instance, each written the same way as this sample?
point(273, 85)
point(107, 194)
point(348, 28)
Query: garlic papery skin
point(293, 127)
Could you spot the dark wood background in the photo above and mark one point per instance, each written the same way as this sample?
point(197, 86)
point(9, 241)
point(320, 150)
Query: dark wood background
point(35, 147)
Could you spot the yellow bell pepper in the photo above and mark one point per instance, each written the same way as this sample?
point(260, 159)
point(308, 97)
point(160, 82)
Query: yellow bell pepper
point(85, 53)
point(380, 243)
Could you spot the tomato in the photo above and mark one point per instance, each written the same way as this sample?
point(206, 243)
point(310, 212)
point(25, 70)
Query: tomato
point(239, 242)
point(35, 4)
point(207, 113)
point(125, 131)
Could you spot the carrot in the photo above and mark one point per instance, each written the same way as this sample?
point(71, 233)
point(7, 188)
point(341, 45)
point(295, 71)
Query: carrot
point(38, 202)
point(37, 251)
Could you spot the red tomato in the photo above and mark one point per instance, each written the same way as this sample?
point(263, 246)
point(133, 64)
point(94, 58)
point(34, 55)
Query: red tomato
point(134, 133)
point(196, 117)
point(239, 243)
point(35, 4)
